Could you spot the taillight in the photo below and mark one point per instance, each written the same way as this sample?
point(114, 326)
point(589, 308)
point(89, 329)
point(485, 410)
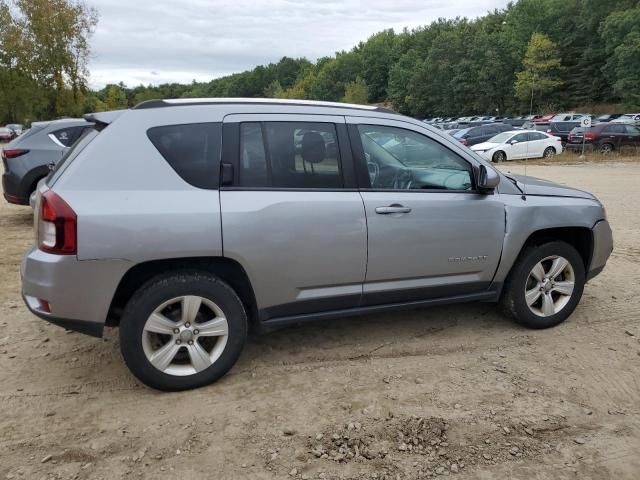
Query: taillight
point(13, 152)
point(590, 136)
point(550, 131)
point(57, 225)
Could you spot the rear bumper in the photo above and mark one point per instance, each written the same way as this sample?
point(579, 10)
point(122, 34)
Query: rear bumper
point(13, 190)
point(68, 292)
point(588, 147)
point(602, 248)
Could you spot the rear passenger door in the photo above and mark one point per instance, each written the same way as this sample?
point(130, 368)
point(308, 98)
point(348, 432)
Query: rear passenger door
point(291, 212)
point(536, 143)
point(614, 134)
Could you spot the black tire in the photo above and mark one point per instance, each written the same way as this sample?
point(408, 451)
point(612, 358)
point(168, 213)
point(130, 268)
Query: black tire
point(499, 156)
point(549, 152)
point(606, 148)
point(513, 298)
point(161, 289)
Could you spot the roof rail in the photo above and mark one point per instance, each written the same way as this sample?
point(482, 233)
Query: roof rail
point(253, 101)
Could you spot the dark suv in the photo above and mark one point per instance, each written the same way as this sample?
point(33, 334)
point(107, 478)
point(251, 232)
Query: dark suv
point(604, 137)
point(474, 135)
point(562, 130)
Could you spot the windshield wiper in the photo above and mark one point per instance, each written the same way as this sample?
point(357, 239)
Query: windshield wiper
point(519, 185)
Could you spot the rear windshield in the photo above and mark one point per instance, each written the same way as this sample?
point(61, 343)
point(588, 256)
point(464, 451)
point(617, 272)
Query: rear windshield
point(192, 150)
point(87, 136)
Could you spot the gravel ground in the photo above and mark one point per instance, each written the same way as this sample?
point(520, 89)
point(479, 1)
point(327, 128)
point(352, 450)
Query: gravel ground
point(451, 391)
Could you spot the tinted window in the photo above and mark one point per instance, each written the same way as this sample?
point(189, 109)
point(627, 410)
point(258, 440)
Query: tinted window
point(67, 136)
point(615, 129)
point(401, 159)
point(632, 130)
point(192, 150)
point(289, 155)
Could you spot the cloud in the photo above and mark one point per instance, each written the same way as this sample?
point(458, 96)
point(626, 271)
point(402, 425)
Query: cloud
point(158, 41)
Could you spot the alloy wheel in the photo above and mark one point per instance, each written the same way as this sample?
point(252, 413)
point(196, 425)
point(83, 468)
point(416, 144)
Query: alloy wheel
point(185, 335)
point(549, 286)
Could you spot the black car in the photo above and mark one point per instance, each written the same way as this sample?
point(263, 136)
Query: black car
point(472, 135)
point(562, 130)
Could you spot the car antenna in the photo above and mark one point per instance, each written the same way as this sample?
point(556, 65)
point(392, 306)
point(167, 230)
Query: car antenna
point(524, 184)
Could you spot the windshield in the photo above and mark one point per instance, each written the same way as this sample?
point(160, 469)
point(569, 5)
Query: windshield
point(500, 138)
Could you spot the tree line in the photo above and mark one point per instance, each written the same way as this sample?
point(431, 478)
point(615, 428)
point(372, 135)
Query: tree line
point(536, 55)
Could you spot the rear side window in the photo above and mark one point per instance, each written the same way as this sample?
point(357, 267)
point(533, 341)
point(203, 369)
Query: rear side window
point(67, 136)
point(615, 129)
point(192, 150)
point(289, 155)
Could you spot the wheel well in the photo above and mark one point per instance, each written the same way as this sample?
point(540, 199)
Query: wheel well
point(226, 269)
point(581, 238)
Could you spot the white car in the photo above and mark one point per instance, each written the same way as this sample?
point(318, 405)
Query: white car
point(628, 118)
point(517, 144)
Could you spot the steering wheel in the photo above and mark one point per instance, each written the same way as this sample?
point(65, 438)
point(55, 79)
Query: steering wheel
point(374, 171)
point(403, 180)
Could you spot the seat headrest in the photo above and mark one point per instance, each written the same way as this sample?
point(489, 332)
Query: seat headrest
point(313, 147)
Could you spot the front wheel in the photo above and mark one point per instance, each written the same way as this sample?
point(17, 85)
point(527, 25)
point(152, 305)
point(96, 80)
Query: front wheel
point(545, 285)
point(182, 331)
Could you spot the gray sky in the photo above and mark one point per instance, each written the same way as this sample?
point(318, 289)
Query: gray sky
point(159, 41)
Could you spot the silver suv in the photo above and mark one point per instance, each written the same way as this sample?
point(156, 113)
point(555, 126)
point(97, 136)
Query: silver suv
point(184, 222)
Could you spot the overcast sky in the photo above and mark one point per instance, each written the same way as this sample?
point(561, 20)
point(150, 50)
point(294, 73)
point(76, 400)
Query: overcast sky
point(159, 41)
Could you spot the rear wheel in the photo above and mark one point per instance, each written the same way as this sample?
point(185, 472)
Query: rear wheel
point(545, 285)
point(499, 156)
point(549, 152)
point(606, 148)
point(182, 331)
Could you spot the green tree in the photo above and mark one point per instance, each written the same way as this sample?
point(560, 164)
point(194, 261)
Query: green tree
point(541, 67)
point(274, 90)
point(356, 92)
point(621, 33)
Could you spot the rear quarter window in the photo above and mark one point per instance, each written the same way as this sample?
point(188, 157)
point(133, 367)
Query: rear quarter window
point(192, 150)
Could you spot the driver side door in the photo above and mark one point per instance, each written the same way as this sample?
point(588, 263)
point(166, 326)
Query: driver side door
point(430, 234)
point(518, 146)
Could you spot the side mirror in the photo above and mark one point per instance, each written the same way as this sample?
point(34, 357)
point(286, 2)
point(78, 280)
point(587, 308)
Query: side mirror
point(488, 179)
point(513, 142)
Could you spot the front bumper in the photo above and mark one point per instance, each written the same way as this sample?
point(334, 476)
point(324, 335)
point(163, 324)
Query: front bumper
point(75, 294)
point(602, 248)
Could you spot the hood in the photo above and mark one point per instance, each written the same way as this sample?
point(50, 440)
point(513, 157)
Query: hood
point(484, 146)
point(537, 186)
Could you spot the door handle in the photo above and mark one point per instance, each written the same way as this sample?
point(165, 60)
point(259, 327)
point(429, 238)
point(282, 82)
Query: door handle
point(394, 208)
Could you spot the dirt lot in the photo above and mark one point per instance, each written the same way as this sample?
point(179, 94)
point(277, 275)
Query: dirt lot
point(457, 391)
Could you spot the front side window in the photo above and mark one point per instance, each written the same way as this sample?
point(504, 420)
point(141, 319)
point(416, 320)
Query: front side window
point(632, 130)
point(289, 155)
point(519, 138)
point(402, 159)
